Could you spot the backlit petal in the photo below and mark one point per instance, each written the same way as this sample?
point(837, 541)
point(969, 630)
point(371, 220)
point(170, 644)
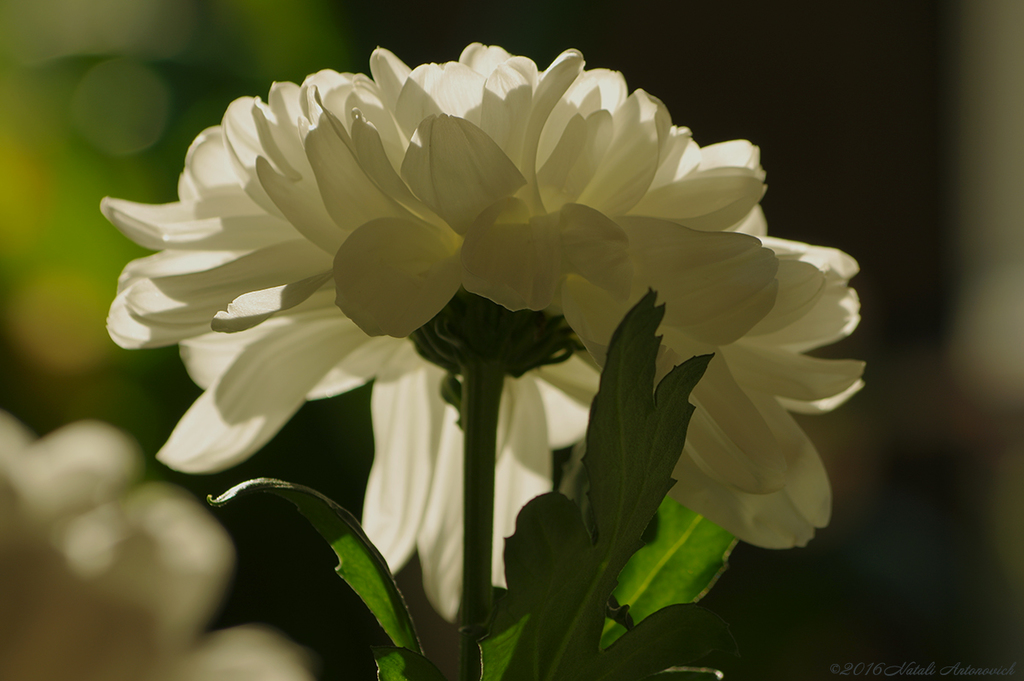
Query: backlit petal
point(393, 275)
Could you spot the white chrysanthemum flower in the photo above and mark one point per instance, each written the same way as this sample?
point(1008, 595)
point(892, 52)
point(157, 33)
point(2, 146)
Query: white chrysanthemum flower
point(317, 230)
point(98, 586)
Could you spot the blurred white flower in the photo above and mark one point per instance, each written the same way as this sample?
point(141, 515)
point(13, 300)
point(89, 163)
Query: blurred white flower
point(318, 229)
point(97, 585)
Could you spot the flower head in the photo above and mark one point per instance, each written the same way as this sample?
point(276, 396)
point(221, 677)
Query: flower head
point(99, 586)
point(317, 230)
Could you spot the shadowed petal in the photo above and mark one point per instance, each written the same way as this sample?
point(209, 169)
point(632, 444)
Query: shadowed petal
point(457, 170)
point(261, 390)
point(393, 275)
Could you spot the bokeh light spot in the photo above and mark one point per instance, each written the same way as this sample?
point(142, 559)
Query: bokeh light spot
point(24, 196)
point(121, 107)
point(55, 320)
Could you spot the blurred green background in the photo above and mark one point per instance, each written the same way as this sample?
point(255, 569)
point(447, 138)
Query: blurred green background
point(859, 113)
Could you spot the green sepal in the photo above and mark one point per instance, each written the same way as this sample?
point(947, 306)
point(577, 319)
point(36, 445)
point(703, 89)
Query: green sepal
point(560, 574)
point(679, 564)
point(401, 664)
point(359, 562)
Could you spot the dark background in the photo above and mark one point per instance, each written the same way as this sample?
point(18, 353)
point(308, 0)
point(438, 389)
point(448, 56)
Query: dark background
point(853, 106)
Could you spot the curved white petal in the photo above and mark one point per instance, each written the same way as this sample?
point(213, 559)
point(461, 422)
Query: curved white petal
point(567, 418)
point(576, 378)
point(393, 275)
point(597, 248)
point(512, 258)
point(781, 519)
point(716, 286)
point(439, 543)
point(791, 375)
point(523, 469)
point(507, 101)
point(227, 221)
point(178, 563)
point(483, 59)
point(457, 170)
point(640, 126)
point(72, 469)
point(208, 167)
point(250, 652)
point(156, 309)
point(728, 437)
point(438, 89)
point(261, 390)
point(250, 309)
point(408, 417)
point(390, 74)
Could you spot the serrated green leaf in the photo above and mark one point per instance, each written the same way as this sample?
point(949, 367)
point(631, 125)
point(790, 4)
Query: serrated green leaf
point(680, 564)
point(401, 664)
point(359, 562)
point(548, 626)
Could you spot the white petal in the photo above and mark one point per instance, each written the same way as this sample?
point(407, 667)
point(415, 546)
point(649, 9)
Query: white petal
point(728, 437)
point(299, 201)
point(576, 378)
point(440, 540)
point(596, 247)
point(834, 316)
point(735, 153)
point(250, 309)
point(787, 374)
point(753, 224)
point(351, 198)
point(716, 286)
point(250, 652)
point(592, 312)
point(800, 286)
point(594, 90)
point(523, 469)
point(711, 199)
point(208, 167)
point(360, 366)
point(167, 309)
point(73, 469)
point(229, 220)
point(376, 164)
point(392, 275)
point(243, 144)
point(483, 58)
point(780, 519)
point(567, 418)
point(512, 258)
point(457, 170)
point(641, 124)
point(680, 156)
point(177, 564)
point(553, 83)
point(266, 384)
point(408, 416)
point(822, 406)
point(390, 74)
point(507, 101)
point(436, 89)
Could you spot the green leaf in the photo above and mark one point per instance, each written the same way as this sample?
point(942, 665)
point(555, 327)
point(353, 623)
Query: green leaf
point(400, 664)
point(549, 624)
point(359, 562)
point(681, 563)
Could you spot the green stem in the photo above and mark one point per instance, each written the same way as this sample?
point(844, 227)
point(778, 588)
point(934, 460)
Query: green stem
point(482, 384)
